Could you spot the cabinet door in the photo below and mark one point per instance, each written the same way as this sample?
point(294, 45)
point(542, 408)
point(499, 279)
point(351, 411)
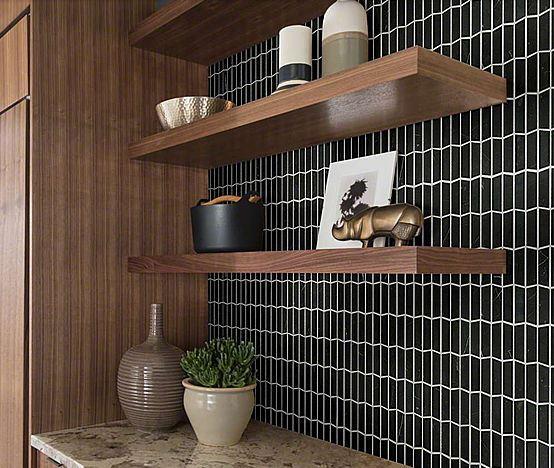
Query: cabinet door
point(13, 308)
point(10, 10)
point(14, 64)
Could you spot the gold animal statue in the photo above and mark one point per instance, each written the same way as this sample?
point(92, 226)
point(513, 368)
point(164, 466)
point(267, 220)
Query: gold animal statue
point(402, 222)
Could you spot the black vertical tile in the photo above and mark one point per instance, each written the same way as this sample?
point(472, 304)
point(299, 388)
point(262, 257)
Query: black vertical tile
point(483, 180)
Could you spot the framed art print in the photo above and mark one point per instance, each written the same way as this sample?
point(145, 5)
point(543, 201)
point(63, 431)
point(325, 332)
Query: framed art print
point(353, 186)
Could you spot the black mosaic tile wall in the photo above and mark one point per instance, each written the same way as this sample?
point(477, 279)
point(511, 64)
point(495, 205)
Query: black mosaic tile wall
point(442, 370)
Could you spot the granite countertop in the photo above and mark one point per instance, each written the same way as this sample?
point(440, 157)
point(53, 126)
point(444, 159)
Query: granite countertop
point(118, 444)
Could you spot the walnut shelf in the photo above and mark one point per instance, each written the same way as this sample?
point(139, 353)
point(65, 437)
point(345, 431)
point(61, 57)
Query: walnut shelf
point(389, 260)
point(205, 31)
point(403, 88)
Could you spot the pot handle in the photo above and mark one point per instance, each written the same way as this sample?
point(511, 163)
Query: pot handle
point(249, 197)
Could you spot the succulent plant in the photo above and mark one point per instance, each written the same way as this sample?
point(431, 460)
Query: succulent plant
point(221, 363)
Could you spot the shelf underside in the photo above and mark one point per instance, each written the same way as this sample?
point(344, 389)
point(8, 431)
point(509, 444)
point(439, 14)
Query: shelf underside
point(388, 260)
point(407, 87)
point(205, 31)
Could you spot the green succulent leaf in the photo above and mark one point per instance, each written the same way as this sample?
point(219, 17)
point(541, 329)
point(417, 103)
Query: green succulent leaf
point(221, 363)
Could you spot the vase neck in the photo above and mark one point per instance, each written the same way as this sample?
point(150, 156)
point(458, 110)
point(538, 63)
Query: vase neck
point(156, 321)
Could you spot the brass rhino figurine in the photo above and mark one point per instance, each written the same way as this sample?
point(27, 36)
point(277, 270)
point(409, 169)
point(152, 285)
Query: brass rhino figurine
point(402, 222)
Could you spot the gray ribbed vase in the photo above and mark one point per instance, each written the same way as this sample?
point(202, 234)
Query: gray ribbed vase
point(149, 380)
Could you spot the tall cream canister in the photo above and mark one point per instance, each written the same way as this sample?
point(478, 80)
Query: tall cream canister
point(345, 36)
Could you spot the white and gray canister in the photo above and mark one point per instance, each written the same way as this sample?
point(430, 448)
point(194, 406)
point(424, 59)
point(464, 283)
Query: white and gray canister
point(295, 56)
point(345, 36)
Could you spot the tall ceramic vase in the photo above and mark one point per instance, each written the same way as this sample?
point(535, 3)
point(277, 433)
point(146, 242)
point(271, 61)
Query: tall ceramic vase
point(149, 380)
point(345, 36)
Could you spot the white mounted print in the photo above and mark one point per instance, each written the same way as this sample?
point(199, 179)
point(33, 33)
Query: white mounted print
point(353, 186)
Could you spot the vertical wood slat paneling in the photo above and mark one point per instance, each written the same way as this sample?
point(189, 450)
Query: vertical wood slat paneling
point(13, 313)
point(10, 10)
point(92, 208)
point(14, 64)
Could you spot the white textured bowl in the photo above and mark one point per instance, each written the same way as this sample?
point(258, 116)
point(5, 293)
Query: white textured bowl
point(185, 110)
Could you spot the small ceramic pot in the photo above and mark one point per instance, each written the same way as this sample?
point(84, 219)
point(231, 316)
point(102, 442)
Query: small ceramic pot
point(218, 416)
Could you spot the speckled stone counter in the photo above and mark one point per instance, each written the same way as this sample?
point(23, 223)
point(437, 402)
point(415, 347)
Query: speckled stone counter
point(120, 445)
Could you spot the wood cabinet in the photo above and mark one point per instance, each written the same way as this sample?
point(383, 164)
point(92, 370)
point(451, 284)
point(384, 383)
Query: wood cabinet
point(10, 12)
point(14, 64)
point(73, 208)
point(13, 273)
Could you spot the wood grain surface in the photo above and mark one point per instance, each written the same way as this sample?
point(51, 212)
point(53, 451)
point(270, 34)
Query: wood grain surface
point(11, 11)
point(45, 462)
point(406, 87)
point(92, 208)
point(13, 299)
point(14, 64)
point(205, 31)
point(401, 260)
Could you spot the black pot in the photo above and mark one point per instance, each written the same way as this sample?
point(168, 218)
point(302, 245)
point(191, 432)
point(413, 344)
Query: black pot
point(234, 227)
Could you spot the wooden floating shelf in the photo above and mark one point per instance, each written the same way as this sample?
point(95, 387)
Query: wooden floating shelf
point(403, 88)
point(205, 31)
point(389, 260)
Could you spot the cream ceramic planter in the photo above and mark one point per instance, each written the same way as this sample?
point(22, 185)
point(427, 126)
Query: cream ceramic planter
point(218, 416)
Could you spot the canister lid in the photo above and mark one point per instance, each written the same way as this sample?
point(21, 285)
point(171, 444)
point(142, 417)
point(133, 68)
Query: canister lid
point(345, 16)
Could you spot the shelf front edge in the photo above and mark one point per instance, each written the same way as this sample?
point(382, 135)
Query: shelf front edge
point(461, 261)
point(385, 260)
